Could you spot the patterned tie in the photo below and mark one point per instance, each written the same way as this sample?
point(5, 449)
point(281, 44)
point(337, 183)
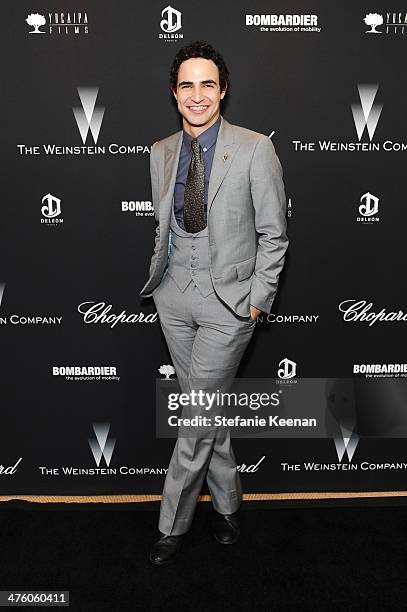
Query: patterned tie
point(194, 197)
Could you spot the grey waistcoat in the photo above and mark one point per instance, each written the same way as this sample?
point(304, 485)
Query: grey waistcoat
point(189, 258)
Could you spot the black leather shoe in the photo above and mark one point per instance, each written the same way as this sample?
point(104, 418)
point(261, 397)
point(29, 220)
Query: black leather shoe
point(165, 548)
point(226, 528)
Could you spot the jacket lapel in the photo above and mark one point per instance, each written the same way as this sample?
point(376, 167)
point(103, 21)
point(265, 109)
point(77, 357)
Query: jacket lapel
point(171, 158)
point(225, 150)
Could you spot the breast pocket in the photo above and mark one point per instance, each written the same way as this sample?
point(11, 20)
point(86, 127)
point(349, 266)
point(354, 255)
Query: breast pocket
point(244, 269)
point(237, 178)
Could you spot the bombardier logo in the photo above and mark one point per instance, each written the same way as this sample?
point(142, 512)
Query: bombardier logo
point(381, 370)
point(284, 22)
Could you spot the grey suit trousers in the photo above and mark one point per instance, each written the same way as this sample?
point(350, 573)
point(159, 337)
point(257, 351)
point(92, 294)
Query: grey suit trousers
point(206, 341)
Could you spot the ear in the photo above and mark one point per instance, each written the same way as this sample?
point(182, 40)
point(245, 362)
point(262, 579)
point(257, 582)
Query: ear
point(223, 93)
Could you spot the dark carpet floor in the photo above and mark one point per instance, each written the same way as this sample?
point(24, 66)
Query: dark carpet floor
point(296, 558)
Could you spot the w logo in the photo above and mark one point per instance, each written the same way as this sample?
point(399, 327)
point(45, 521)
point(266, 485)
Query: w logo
point(341, 417)
point(346, 443)
point(366, 114)
point(102, 447)
point(89, 116)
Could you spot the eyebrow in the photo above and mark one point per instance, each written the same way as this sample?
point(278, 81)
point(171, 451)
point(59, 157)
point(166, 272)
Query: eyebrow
point(190, 82)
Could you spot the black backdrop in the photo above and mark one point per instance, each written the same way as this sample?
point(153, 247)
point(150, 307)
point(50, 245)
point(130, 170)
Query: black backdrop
point(296, 86)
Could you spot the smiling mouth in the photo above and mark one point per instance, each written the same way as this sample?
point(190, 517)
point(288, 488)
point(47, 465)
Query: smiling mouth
point(198, 109)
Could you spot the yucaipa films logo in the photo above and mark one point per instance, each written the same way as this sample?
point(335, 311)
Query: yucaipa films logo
point(58, 23)
point(389, 23)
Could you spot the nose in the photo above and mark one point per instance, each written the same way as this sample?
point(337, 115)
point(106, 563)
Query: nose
point(197, 93)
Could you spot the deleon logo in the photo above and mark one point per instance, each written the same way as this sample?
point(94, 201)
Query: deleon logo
point(102, 446)
point(172, 23)
point(2, 287)
point(368, 208)
point(373, 20)
point(52, 206)
point(90, 115)
point(288, 368)
point(367, 113)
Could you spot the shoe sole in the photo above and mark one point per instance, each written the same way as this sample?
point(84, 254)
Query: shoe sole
point(174, 558)
point(228, 541)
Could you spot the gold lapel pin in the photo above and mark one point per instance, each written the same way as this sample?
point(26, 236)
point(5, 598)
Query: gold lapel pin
point(225, 156)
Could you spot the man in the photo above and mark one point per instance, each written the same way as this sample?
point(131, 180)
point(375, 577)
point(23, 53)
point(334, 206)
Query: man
point(220, 245)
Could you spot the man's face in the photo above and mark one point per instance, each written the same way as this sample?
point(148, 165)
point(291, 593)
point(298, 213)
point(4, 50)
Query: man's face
point(198, 92)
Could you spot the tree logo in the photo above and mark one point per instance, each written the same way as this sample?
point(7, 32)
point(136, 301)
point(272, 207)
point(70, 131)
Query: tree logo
point(167, 370)
point(366, 114)
point(89, 116)
point(373, 20)
point(36, 20)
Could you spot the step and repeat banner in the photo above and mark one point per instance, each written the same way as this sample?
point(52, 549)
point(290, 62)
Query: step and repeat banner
point(85, 94)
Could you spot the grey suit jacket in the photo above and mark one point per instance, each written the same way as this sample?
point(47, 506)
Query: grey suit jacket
point(246, 216)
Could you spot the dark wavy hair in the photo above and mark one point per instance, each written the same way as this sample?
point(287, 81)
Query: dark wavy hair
point(199, 48)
